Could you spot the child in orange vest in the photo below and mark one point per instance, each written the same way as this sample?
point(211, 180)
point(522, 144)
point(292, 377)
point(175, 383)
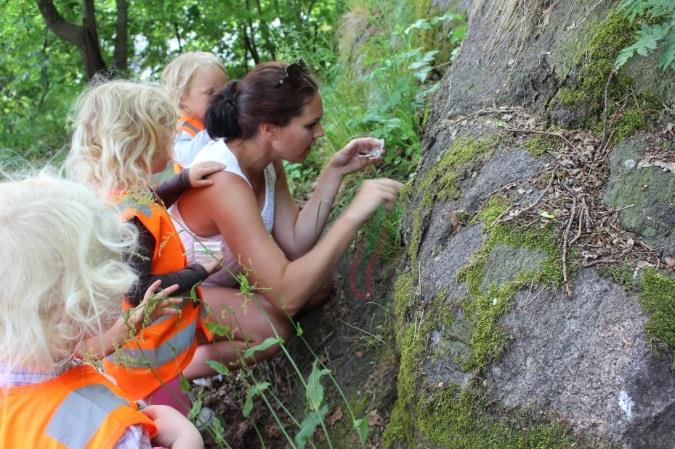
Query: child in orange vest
point(192, 80)
point(123, 135)
point(63, 277)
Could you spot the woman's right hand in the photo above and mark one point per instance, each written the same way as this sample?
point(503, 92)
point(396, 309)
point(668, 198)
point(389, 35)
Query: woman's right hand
point(371, 195)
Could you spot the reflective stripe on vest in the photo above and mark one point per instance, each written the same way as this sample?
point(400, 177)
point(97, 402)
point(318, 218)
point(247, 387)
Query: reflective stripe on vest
point(154, 358)
point(80, 415)
point(189, 128)
point(190, 125)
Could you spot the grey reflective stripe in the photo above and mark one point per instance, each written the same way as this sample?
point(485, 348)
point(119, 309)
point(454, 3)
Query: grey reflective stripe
point(81, 414)
point(191, 127)
point(166, 352)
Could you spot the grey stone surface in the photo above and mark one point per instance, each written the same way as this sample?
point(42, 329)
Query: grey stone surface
point(587, 359)
point(440, 271)
point(645, 193)
point(504, 167)
point(450, 346)
point(506, 262)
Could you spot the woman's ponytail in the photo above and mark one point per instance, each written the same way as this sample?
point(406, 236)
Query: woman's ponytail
point(222, 117)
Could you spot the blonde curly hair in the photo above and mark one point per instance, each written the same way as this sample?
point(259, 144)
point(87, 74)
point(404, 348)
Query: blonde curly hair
point(62, 270)
point(120, 128)
point(177, 75)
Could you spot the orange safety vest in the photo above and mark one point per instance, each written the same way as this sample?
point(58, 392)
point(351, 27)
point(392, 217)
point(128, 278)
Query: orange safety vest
point(78, 409)
point(161, 350)
point(190, 125)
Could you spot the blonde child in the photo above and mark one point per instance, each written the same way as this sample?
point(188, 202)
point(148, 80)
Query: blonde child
point(123, 135)
point(63, 277)
point(192, 80)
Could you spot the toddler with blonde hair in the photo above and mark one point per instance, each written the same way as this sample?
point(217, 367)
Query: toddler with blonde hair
point(123, 135)
point(64, 276)
point(192, 80)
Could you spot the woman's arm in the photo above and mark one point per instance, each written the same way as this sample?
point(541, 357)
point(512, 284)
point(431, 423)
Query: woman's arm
point(231, 206)
point(297, 232)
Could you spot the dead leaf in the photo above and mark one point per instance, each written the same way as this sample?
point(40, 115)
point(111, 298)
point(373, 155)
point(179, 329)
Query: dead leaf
point(336, 416)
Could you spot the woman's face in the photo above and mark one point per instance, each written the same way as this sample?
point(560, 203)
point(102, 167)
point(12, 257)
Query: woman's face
point(294, 141)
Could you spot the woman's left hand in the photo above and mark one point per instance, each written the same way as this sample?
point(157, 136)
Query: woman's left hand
point(356, 155)
point(201, 170)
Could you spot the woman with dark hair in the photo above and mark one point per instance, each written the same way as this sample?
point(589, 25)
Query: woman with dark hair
point(273, 114)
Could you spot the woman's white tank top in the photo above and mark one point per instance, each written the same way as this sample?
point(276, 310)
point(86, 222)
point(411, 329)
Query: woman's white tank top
point(198, 247)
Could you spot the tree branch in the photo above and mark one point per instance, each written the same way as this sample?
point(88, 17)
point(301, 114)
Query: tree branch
point(67, 31)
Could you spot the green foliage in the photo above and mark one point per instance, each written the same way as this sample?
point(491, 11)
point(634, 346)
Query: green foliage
point(254, 390)
point(268, 343)
point(42, 75)
point(657, 26)
point(378, 87)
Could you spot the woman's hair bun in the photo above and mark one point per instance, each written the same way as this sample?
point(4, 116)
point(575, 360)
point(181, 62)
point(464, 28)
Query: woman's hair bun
point(221, 119)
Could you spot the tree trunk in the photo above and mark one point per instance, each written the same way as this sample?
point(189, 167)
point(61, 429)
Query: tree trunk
point(84, 37)
point(121, 56)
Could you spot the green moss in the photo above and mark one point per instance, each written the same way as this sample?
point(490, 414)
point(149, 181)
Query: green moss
point(403, 294)
point(458, 418)
point(412, 344)
point(658, 300)
point(622, 274)
point(596, 61)
point(442, 183)
point(495, 206)
point(630, 122)
point(537, 145)
point(484, 308)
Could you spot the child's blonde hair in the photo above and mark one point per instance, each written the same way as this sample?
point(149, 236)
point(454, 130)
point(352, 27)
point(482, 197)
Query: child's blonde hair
point(119, 128)
point(62, 270)
point(177, 75)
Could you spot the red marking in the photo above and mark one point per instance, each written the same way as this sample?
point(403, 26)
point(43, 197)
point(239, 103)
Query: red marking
point(355, 265)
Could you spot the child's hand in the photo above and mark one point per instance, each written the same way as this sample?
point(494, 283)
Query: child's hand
point(174, 430)
point(357, 154)
point(165, 306)
point(199, 171)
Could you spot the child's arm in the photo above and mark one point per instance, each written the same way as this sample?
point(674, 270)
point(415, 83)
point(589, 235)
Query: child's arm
point(174, 431)
point(141, 262)
point(104, 345)
point(170, 190)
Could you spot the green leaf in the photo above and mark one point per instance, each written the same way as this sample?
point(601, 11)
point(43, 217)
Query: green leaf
point(314, 392)
point(547, 215)
point(253, 391)
point(194, 411)
point(361, 427)
point(184, 385)
point(421, 24)
point(218, 329)
point(218, 367)
point(308, 426)
point(270, 341)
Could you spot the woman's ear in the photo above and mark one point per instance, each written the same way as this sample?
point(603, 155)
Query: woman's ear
point(269, 130)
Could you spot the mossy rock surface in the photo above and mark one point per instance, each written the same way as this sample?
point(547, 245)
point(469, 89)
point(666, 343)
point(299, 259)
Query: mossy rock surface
point(643, 191)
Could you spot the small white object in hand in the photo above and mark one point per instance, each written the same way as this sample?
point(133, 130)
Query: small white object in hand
point(376, 151)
